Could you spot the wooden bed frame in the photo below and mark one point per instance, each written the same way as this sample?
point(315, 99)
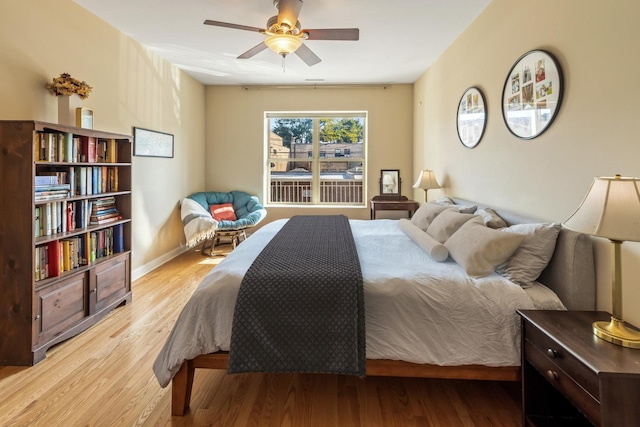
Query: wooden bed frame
point(182, 382)
point(570, 274)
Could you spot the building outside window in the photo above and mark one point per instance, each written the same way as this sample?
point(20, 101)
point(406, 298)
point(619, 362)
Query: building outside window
point(315, 159)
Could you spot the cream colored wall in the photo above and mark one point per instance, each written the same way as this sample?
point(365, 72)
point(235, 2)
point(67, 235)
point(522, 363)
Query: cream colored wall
point(594, 133)
point(39, 39)
point(235, 135)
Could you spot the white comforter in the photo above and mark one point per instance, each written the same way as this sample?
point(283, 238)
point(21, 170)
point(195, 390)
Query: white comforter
point(417, 310)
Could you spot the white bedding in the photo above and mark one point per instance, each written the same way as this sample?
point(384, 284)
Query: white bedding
point(417, 310)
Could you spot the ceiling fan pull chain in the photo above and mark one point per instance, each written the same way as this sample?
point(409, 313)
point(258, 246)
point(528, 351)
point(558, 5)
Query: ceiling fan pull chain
point(283, 66)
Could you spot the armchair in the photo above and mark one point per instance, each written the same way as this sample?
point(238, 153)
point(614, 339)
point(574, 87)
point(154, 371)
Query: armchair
point(247, 212)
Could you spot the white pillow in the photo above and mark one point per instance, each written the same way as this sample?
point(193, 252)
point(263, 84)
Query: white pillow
point(427, 243)
point(425, 214)
point(491, 218)
point(446, 201)
point(447, 223)
point(533, 255)
point(479, 249)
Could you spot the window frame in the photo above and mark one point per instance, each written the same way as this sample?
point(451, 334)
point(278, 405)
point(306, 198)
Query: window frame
point(316, 159)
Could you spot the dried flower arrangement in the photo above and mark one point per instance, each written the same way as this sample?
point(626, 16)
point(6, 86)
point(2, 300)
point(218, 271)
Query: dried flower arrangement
point(67, 85)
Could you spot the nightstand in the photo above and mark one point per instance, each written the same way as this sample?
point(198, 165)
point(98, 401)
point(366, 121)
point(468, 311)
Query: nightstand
point(570, 377)
point(396, 203)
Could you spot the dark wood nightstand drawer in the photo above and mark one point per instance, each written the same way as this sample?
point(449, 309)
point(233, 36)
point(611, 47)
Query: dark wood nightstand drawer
point(562, 381)
point(587, 378)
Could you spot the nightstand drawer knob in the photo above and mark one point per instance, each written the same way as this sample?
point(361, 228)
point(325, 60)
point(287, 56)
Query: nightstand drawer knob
point(552, 353)
point(552, 375)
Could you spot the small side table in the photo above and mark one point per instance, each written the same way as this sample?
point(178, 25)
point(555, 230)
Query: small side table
point(571, 377)
point(401, 203)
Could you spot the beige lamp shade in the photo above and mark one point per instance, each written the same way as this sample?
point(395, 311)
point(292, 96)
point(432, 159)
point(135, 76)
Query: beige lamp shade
point(426, 180)
point(610, 209)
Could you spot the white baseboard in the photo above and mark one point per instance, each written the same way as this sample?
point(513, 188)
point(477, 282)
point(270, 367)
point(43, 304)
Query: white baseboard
point(150, 266)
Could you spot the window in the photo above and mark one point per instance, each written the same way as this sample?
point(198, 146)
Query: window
point(315, 158)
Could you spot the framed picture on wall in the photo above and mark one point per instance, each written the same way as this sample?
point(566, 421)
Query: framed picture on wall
point(532, 94)
point(151, 143)
point(471, 118)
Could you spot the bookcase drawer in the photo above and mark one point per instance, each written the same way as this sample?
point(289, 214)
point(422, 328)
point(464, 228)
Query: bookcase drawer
point(61, 306)
point(110, 282)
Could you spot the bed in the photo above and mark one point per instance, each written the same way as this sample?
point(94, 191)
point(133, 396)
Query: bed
point(424, 318)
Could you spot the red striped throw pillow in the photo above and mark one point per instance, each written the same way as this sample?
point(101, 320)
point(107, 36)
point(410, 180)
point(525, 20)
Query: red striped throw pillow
point(223, 212)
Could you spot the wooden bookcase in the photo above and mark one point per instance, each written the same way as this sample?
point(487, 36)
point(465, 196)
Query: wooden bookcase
point(37, 312)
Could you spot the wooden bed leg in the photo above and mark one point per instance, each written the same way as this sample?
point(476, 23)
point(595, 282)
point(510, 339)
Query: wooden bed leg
point(181, 386)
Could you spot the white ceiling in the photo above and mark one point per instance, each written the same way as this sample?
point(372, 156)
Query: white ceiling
point(399, 39)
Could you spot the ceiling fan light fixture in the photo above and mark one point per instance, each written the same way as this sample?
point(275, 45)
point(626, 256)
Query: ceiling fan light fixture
point(283, 44)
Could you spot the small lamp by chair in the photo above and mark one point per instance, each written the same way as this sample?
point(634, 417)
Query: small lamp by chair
point(611, 209)
point(426, 180)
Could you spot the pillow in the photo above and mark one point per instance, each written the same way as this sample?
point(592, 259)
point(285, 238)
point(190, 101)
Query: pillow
point(446, 201)
point(533, 255)
point(479, 249)
point(223, 212)
point(425, 214)
point(427, 243)
point(447, 223)
point(491, 218)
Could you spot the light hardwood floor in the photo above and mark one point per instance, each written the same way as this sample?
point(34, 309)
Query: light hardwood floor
point(103, 377)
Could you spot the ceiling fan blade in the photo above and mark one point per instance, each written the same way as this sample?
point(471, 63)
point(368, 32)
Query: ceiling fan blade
point(235, 26)
point(333, 34)
point(253, 51)
point(307, 55)
point(288, 12)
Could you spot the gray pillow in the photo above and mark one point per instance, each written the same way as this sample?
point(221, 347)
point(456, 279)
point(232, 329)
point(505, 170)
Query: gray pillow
point(533, 255)
point(491, 218)
point(446, 201)
point(447, 223)
point(427, 243)
point(479, 249)
point(425, 214)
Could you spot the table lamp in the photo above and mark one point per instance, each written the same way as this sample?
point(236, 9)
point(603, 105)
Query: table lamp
point(426, 180)
point(611, 209)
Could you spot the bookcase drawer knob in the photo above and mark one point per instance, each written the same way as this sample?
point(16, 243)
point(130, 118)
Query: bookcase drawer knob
point(93, 291)
point(551, 353)
point(37, 317)
point(552, 375)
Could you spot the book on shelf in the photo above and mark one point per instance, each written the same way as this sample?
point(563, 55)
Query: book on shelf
point(43, 179)
point(89, 149)
point(51, 195)
point(45, 220)
point(68, 147)
point(37, 226)
point(40, 189)
point(81, 180)
point(54, 256)
point(72, 181)
point(118, 238)
point(105, 220)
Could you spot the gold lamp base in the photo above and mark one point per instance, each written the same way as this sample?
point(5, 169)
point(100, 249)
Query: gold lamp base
point(616, 332)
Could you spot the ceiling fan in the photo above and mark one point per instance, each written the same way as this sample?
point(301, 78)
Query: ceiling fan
point(285, 34)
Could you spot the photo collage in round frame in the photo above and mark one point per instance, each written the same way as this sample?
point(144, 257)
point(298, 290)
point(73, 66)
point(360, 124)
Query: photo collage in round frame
point(471, 117)
point(532, 94)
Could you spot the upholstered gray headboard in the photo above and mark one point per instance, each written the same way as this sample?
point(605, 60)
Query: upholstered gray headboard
point(571, 271)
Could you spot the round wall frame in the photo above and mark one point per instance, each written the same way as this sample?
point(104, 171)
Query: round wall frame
point(471, 118)
point(532, 94)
